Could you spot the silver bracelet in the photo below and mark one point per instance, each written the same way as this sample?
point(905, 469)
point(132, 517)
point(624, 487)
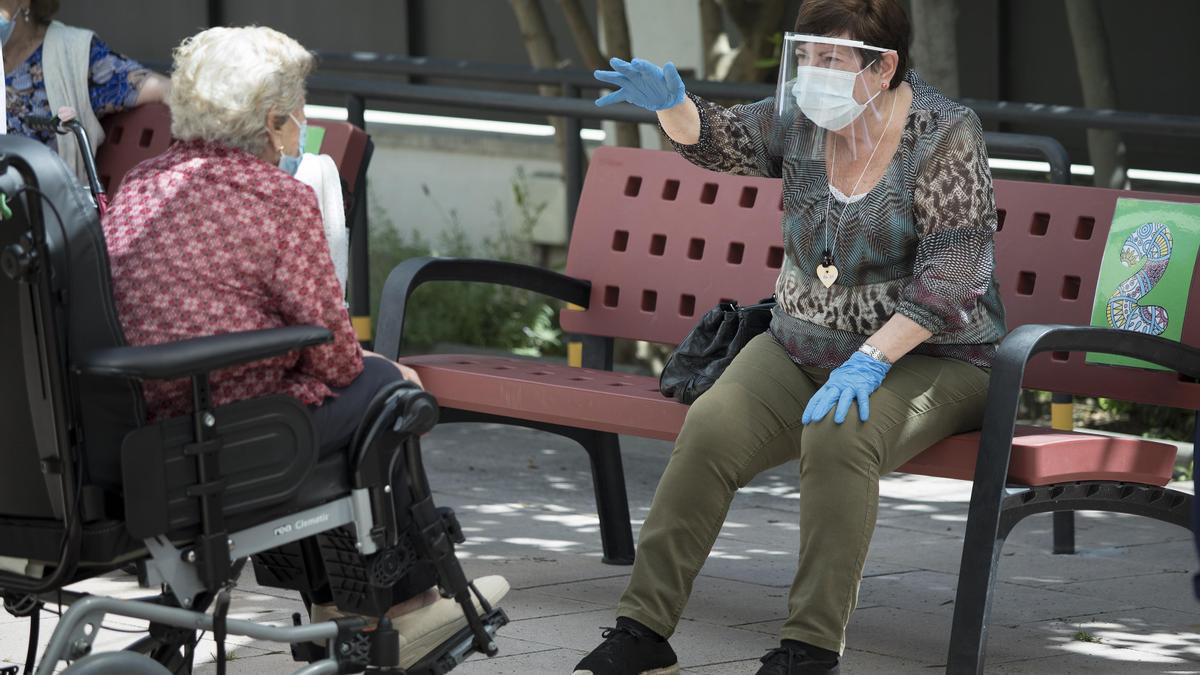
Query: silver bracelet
point(875, 353)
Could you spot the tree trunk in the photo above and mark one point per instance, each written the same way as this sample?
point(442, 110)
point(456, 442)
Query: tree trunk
point(539, 44)
point(535, 33)
point(935, 47)
point(1106, 148)
point(616, 41)
point(757, 22)
point(585, 38)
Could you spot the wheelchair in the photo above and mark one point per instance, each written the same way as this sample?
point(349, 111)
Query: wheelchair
point(90, 486)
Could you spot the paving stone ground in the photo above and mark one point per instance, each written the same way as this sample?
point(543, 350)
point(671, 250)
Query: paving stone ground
point(1123, 604)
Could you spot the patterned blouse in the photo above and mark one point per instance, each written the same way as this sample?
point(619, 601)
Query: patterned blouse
point(205, 239)
point(109, 83)
point(918, 244)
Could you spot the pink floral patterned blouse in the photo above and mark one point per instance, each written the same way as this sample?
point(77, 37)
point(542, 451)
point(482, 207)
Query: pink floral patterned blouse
point(206, 239)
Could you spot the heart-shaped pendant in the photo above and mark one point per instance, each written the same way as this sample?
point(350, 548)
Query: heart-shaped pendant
point(827, 274)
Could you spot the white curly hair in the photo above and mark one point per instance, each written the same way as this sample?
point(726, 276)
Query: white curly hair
point(226, 80)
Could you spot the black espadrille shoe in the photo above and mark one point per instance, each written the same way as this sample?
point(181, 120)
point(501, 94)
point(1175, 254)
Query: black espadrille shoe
point(630, 649)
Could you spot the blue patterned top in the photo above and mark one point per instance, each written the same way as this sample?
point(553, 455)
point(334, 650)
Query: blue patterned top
point(108, 83)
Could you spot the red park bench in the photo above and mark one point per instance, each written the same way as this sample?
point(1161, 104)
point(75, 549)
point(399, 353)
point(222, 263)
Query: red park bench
point(657, 242)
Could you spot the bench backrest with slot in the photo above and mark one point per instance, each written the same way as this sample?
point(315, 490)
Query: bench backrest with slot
point(663, 241)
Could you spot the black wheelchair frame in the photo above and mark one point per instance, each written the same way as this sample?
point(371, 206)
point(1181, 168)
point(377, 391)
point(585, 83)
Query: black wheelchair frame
point(91, 486)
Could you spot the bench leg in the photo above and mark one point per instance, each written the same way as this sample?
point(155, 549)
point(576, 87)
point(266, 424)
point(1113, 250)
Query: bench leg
point(608, 479)
point(1062, 417)
point(973, 601)
point(1064, 532)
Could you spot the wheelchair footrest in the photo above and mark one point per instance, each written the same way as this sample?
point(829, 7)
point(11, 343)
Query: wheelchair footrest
point(444, 658)
point(454, 651)
point(308, 652)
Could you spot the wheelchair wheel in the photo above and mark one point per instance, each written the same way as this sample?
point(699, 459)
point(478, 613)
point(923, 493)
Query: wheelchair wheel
point(116, 663)
point(172, 654)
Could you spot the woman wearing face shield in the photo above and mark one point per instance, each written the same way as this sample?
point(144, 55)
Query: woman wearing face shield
point(887, 321)
point(49, 66)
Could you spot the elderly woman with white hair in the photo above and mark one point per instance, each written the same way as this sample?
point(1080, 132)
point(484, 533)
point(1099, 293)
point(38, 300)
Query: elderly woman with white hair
point(216, 236)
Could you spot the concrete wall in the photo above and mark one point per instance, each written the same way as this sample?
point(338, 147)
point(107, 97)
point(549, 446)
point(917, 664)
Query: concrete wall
point(424, 179)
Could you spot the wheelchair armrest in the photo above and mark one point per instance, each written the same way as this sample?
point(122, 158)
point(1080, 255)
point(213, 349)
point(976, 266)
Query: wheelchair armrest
point(187, 358)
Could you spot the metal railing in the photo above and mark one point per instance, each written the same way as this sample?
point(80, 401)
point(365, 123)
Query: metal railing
point(997, 111)
point(574, 109)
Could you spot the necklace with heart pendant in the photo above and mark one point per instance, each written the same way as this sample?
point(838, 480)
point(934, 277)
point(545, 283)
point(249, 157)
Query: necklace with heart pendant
point(827, 272)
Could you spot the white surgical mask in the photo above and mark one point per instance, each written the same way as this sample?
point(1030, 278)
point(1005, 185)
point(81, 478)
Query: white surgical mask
point(6, 27)
point(826, 96)
point(290, 163)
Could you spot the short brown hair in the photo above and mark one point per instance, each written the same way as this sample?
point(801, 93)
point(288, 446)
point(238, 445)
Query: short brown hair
point(43, 11)
point(879, 23)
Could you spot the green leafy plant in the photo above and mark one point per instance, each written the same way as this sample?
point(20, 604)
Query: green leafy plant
point(1186, 471)
point(1106, 414)
point(480, 315)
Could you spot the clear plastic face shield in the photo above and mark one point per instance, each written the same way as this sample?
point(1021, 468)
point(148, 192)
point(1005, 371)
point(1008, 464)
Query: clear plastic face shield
point(827, 80)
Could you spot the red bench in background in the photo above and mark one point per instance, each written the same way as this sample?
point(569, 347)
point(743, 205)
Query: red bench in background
point(138, 134)
point(657, 242)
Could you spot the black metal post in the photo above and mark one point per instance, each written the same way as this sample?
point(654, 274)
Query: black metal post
point(360, 251)
point(1062, 408)
point(356, 110)
point(216, 13)
point(1064, 532)
point(573, 159)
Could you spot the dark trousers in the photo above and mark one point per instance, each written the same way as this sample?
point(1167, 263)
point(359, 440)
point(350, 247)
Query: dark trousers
point(339, 416)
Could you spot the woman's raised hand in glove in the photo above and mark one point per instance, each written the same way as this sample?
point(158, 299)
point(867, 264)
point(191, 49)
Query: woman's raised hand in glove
point(643, 84)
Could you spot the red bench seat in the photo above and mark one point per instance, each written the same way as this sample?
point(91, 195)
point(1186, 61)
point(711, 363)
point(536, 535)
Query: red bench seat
point(622, 403)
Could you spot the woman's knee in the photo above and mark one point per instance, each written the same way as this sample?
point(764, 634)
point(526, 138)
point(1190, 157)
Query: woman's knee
point(710, 436)
point(724, 431)
point(828, 447)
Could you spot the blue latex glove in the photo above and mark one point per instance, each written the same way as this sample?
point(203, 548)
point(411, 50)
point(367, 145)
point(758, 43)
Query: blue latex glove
point(642, 83)
point(856, 379)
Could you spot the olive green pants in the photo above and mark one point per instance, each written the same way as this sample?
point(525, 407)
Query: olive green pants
point(750, 422)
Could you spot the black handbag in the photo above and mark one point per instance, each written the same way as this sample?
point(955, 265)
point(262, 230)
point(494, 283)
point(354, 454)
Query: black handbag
point(706, 351)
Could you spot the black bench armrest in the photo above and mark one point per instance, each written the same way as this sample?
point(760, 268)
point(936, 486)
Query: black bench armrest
point(186, 358)
point(411, 273)
point(1008, 370)
point(1004, 390)
point(980, 552)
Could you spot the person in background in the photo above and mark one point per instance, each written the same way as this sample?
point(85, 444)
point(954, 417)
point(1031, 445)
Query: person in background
point(49, 66)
